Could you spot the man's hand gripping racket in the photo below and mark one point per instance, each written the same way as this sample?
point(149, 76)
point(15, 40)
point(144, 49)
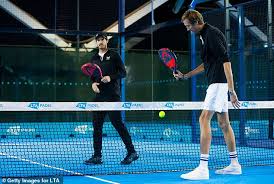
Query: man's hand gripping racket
point(95, 73)
point(169, 59)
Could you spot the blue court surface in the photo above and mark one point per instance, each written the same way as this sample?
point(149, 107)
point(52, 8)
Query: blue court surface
point(66, 156)
point(52, 159)
point(251, 175)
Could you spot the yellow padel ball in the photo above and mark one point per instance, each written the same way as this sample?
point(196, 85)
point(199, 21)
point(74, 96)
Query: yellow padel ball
point(162, 114)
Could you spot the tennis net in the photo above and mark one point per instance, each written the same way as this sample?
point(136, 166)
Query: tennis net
point(55, 138)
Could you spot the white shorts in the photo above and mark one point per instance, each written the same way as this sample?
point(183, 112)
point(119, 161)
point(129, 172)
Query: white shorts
point(216, 98)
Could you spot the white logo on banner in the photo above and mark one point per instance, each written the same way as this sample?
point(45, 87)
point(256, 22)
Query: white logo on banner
point(81, 105)
point(82, 129)
point(16, 130)
point(248, 104)
point(168, 132)
point(129, 105)
point(84, 105)
point(249, 130)
point(37, 105)
point(172, 105)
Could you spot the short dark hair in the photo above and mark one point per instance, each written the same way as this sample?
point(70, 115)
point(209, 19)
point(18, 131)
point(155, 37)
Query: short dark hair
point(193, 16)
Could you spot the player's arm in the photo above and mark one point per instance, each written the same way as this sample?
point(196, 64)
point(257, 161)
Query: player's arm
point(219, 45)
point(229, 77)
point(196, 71)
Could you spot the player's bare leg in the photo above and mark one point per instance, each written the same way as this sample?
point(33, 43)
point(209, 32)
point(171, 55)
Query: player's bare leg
point(202, 172)
point(205, 131)
point(224, 124)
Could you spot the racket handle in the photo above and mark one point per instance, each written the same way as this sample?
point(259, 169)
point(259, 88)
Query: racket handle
point(175, 70)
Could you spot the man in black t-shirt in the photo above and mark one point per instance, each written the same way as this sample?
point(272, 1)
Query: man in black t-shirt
point(108, 90)
point(219, 75)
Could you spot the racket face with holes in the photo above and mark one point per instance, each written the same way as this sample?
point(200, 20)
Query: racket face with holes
point(168, 58)
point(92, 70)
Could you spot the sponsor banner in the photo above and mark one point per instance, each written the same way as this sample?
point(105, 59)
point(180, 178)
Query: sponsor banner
point(46, 130)
point(20, 130)
point(139, 130)
point(257, 129)
point(161, 131)
point(179, 131)
point(118, 106)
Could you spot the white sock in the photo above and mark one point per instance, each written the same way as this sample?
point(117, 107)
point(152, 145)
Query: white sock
point(234, 158)
point(204, 160)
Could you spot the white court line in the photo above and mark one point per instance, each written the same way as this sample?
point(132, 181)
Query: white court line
point(57, 168)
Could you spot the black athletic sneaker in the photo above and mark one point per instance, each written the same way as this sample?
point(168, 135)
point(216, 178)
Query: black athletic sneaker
point(94, 160)
point(130, 158)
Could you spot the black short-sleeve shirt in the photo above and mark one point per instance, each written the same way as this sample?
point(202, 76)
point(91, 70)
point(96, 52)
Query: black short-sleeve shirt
point(213, 53)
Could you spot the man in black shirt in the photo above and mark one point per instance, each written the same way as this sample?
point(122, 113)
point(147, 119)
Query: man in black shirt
point(219, 75)
point(108, 90)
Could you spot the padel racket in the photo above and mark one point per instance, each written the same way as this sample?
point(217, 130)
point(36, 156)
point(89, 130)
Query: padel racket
point(93, 71)
point(168, 58)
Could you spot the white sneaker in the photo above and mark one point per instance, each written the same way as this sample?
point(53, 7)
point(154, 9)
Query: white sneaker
point(197, 174)
point(231, 169)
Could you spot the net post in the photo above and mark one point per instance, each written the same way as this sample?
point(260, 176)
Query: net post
point(242, 87)
point(195, 130)
point(121, 30)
